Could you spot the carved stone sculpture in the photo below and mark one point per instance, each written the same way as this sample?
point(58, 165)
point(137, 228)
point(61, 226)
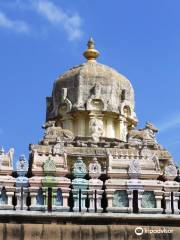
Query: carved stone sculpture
point(49, 166)
point(21, 169)
point(134, 170)
point(94, 168)
point(96, 128)
point(6, 160)
point(22, 166)
point(145, 134)
point(155, 159)
point(58, 147)
point(109, 160)
point(170, 171)
point(52, 133)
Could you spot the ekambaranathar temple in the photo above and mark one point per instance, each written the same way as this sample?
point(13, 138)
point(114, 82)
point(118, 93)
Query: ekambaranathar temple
point(93, 167)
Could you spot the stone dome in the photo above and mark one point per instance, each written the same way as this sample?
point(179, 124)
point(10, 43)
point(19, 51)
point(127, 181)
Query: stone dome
point(92, 80)
point(89, 87)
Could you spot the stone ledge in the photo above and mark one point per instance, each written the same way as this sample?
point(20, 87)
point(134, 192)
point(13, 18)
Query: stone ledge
point(21, 216)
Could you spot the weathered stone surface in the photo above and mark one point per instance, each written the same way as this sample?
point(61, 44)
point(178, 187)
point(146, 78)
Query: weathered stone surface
point(91, 80)
point(13, 231)
point(32, 231)
point(87, 232)
point(1, 231)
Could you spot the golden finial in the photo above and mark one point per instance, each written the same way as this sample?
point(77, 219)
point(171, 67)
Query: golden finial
point(91, 53)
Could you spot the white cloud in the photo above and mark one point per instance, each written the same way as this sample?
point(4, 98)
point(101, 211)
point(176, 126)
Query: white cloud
point(172, 122)
point(56, 16)
point(15, 25)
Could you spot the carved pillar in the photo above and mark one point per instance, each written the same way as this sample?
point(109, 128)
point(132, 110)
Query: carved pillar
point(83, 200)
point(21, 198)
point(158, 197)
point(6, 200)
point(77, 200)
point(167, 196)
point(33, 199)
point(81, 125)
point(67, 121)
point(175, 202)
point(130, 197)
point(34, 205)
point(65, 195)
point(10, 195)
point(171, 195)
point(18, 196)
point(109, 195)
point(65, 199)
point(110, 128)
point(98, 200)
point(140, 193)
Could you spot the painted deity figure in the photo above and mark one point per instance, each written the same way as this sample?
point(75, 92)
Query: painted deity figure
point(95, 168)
point(79, 169)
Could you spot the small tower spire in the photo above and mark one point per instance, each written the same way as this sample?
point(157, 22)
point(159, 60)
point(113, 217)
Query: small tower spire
point(91, 53)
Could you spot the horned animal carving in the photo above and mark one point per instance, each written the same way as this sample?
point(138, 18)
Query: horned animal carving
point(53, 132)
point(147, 133)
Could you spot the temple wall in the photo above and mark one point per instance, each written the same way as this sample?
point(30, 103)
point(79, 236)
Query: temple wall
point(87, 226)
point(80, 232)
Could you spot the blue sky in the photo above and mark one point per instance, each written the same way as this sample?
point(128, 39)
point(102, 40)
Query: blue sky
point(41, 39)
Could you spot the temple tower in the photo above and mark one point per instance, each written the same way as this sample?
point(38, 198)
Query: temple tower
point(92, 149)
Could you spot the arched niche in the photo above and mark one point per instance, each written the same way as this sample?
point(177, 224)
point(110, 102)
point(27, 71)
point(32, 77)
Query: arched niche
point(126, 111)
point(95, 105)
point(65, 107)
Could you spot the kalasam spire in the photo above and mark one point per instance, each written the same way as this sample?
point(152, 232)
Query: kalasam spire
point(91, 53)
